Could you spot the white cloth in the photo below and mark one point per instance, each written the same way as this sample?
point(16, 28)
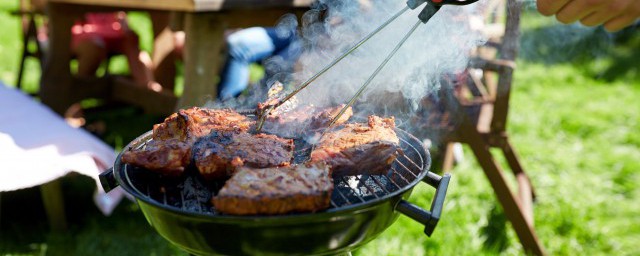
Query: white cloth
point(38, 146)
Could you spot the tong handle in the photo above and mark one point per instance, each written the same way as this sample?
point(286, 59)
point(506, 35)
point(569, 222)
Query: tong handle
point(433, 6)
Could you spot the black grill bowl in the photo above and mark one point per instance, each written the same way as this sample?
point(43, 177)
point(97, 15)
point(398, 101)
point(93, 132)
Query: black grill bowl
point(342, 228)
point(305, 234)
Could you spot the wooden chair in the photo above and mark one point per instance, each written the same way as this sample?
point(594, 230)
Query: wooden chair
point(31, 18)
point(473, 110)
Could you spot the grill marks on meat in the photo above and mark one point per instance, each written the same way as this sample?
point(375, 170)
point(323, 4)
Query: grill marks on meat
point(221, 153)
point(359, 148)
point(304, 119)
point(169, 152)
point(193, 123)
point(301, 188)
point(169, 157)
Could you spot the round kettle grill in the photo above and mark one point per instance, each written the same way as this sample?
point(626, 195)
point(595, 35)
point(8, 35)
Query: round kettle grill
point(361, 208)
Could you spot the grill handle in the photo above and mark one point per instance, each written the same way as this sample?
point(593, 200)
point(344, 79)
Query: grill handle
point(428, 218)
point(108, 180)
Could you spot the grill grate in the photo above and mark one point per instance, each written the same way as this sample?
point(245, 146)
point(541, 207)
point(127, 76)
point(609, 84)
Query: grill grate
point(190, 193)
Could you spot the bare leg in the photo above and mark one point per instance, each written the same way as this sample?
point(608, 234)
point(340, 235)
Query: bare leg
point(90, 53)
point(141, 73)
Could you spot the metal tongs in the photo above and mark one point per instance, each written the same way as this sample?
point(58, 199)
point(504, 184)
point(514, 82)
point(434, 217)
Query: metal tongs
point(431, 8)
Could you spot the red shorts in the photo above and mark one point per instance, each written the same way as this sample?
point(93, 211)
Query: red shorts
point(106, 28)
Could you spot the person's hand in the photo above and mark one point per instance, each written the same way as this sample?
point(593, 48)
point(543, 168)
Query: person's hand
point(614, 14)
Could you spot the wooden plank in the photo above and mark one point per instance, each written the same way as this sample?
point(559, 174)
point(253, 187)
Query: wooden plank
point(191, 5)
point(266, 17)
point(152, 102)
point(514, 163)
point(447, 163)
point(509, 52)
point(214, 5)
point(174, 5)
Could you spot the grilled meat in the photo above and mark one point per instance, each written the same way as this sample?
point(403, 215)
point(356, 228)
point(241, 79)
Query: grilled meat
point(359, 148)
point(190, 124)
point(301, 188)
point(170, 150)
point(221, 153)
point(168, 157)
point(302, 120)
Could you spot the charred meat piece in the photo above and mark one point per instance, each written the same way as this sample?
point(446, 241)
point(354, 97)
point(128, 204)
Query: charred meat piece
point(359, 148)
point(190, 124)
point(300, 188)
point(304, 119)
point(168, 157)
point(221, 153)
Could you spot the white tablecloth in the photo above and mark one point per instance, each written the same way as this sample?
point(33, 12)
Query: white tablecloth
point(38, 146)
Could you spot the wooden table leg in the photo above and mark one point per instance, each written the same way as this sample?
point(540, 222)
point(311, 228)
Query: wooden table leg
point(54, 205)
point(203, 44)
point(164, 59)
point(56, 81)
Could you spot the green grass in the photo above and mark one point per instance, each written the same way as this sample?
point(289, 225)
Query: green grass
point(574, 120)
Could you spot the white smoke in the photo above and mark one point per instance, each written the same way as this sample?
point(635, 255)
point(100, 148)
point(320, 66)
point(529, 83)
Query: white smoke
point(440, 46)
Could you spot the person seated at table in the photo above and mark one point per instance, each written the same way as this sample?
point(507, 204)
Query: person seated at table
point(98, 35)
point(276, 48)
point(257, 44)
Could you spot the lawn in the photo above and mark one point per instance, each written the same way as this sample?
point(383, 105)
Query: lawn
point(574, 121)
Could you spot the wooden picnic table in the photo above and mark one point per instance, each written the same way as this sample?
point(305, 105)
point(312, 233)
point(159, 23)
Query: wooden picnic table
point(204, 25)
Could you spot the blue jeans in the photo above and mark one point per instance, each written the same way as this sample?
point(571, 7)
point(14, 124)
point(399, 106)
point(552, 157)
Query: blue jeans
point(249, 46)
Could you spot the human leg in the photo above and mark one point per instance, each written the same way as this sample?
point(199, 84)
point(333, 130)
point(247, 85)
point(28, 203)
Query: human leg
point(89, 52)
point(139, 62)
point(244, 47)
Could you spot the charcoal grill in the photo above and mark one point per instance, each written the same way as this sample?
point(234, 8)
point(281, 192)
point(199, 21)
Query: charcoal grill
point(361, 208)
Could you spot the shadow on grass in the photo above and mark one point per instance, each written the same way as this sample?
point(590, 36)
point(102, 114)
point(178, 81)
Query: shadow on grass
point(599, 54)
point(626, 56)
point(560, 43)
point(495, 231)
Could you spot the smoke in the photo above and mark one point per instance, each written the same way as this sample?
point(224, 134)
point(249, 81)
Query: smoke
point(441, 46)
point(438, 47)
